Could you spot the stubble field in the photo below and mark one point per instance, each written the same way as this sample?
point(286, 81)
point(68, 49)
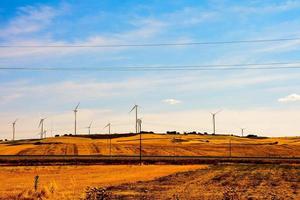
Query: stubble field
point(158, 144)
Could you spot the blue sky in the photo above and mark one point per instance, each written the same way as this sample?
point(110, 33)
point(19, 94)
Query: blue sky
point(265, 102)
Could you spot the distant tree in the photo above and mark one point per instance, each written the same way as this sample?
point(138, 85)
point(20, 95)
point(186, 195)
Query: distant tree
point(251, 136)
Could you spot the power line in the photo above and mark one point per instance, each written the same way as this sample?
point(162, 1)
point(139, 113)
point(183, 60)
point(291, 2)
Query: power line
point(153, 44)
point(245, 66)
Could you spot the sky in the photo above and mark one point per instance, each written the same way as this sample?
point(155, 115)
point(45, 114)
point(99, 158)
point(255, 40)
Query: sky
point(264, 102)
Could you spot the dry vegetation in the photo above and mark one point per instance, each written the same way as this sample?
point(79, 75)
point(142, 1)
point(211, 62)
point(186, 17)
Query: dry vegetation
point(69, 182)
point(219, 182)
point(153, 182)
point(157, 144)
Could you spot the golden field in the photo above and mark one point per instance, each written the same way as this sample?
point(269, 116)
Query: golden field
point(208, 182)
point(235, 181)
point(157, 144)
point(70, 182)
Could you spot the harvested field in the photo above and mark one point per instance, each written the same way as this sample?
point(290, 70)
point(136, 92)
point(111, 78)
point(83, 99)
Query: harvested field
point(208, 182)
point(70, 182)
point(218, 182)
point(158, 145)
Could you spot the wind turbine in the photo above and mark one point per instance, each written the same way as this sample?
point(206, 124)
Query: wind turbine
point(45, 133)
point(14, 129)
point(139, 122)
point(41, 124)
point(109, 129)
point(135, 107)
point(89, 127)
point(75, 113)
point(214, 121)
point(242, 131)
point(136, 129)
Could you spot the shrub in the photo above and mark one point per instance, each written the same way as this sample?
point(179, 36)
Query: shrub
point(95, 193)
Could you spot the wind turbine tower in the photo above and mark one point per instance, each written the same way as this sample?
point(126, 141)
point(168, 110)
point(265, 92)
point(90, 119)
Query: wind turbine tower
point(75, 113)
point(214, 121)
point(135, 107)
point(109, 129)
point(139, 122)
point(242, 129)
point(14, 129)
point(89, 127)
point(41, 124)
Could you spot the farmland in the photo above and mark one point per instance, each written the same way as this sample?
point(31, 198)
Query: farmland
point(158, 145)
point(219, 182)
point(220, 178)
point(71, 181)
point(155, 182)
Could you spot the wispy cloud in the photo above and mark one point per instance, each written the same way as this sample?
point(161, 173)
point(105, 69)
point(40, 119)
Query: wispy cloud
point(171, 101)
point(189, 16)
point(269, 8)
point(30, 19)
point(290, 98)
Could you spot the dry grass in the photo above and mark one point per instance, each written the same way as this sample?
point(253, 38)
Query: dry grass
point(226, 182)
point(68, 182)
point(155, 144)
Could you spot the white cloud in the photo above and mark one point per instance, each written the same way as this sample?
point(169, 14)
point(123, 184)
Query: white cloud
point(290, 98)
point(270, 8)
point(145, 29)
point(189, 16)
point(171, 101)
point(29, 20)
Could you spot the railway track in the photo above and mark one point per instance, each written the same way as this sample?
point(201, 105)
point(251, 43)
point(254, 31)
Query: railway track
point(35, 160)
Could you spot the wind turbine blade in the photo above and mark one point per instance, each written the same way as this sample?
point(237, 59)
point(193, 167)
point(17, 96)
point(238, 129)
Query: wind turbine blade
point(15, 121)
point(91, 124)
point(106, 125)
point(133, 108)
point(41, 121)
point(218, 111)
point(77, 106)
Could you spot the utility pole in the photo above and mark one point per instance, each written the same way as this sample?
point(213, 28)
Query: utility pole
point(109, 138)
point(230, 147)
